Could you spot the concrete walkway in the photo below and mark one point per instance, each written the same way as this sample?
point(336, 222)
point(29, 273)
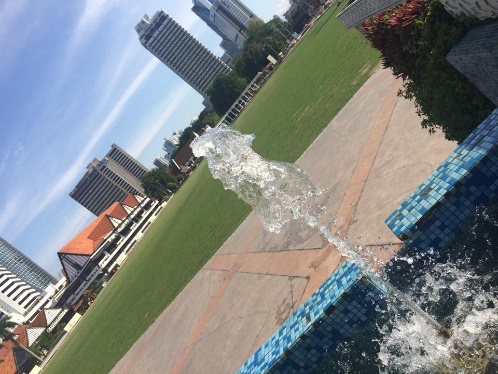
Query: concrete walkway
point(369, 158)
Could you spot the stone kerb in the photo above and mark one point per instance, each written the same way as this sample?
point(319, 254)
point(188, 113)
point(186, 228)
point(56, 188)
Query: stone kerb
point(342, 304)
point(439, 207)
point(354, 14)
point(481, 9)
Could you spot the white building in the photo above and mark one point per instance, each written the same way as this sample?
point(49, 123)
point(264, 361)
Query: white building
point(24, 286)
point(228, 18)
point(21, 302)
point(161, 162)
point(100, 247)
point(180, 51)
point(171, 144)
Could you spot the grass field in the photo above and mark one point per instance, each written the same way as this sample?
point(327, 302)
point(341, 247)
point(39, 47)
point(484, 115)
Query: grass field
point(309, 88)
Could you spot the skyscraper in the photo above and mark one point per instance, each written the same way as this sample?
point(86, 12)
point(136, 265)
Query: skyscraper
point(22, 281)
point(180, 51)
point(171, 144)
point(228, 18)
point(108, 180)
point(22, 267)
point(160, 162)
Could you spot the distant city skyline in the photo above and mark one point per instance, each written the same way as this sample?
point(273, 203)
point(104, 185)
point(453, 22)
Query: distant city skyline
point(75, 81)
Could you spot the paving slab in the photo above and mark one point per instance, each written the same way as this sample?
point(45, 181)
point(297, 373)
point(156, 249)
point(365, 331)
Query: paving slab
point(164, 341)
point(369, 159)
point(244, 320)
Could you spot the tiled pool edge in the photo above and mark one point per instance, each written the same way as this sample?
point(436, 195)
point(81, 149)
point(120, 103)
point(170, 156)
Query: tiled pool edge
point(343, 302)
point(438, 208)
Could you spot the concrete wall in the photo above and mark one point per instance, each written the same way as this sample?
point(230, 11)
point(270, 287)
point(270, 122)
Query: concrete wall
point(481, 9)
point(476, 57)
point(354, 14)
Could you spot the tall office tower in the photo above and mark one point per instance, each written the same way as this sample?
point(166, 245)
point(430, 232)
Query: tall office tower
point(22, 282)
point(228, 18)
point(16, 296)
point(171, 144)
point(123, 159)
point(161, 162)
point(108, 180)
point(180, 51)
point(201, 8)
point(22, 267)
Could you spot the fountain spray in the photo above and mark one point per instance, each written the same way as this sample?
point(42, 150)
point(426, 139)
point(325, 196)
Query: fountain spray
point(279, 192)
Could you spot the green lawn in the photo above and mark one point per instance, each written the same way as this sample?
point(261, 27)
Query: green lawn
point(309, 88)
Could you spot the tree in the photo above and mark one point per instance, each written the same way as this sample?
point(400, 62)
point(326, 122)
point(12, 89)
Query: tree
point(206, 117)
point(224, 90)
point(414, 39)
point(262, 39)
point(210, 118)
point(157, 182)
point(6, 327)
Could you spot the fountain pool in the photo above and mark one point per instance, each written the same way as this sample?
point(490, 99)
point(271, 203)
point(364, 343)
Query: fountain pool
point(398, 340)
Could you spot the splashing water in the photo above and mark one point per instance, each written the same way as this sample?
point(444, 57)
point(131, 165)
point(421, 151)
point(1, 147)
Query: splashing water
point(280, 192)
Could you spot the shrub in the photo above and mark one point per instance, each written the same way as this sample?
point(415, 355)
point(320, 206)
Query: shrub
point(414, 39)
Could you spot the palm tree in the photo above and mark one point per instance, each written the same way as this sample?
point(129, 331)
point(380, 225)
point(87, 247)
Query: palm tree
point(6, 327)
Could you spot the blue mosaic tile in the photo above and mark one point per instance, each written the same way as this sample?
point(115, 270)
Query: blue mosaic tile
point(343, 302)
point(437, 209)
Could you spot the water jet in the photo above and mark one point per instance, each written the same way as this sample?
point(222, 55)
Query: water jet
point(280, 192)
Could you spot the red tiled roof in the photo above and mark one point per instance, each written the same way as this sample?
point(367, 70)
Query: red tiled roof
point(7, 362)
point(22, 337)
point(185, 152)
point(40, 320)
point(130, 201)
point(88, 240)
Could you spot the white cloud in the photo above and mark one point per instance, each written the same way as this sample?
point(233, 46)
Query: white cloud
point(41, 199)
point(11, 18)
point(282, 7)
point(162, 112)
point(93, 14)
point(113, 73)
point(10, 211)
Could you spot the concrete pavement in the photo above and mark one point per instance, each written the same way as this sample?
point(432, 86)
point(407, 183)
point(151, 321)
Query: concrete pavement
point(370, 157)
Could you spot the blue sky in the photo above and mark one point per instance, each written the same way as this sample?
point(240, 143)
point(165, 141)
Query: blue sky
point(73, 80)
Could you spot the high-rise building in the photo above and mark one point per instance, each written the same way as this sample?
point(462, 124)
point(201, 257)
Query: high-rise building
point(22, 282)
point(180, 51)
point(160, 162)
point(16, 296)
point(108, 180)
point(171, 144)
point(228, 18)
point(201, 8)
point(22, 267)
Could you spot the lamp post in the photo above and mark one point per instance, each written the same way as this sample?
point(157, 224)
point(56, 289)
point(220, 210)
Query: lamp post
point(161, 188)
point(266, 44)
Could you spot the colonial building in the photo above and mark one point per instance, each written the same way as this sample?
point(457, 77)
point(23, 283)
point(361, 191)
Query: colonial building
point(100, 247)
point(185, 158)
